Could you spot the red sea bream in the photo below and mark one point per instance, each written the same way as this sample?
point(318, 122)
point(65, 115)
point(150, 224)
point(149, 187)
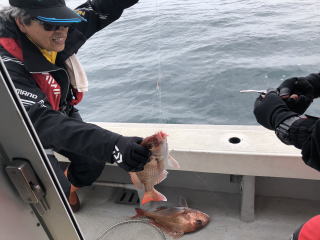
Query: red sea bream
point(155, 170)
point(176, 221)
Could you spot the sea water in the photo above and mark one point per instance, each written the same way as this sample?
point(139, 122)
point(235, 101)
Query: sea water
point(184, 61)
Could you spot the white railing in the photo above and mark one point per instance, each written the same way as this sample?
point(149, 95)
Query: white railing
point(248, 151)
point(229, 149)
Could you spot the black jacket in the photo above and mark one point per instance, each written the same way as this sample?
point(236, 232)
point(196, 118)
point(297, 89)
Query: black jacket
point(61, 130)
point(305, 133)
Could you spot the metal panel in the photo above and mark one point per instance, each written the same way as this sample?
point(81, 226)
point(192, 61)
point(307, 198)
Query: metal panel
point(17, 220)
point(19, 140)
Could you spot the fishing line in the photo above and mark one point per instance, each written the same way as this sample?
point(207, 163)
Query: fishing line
point(158, 84)
point(131, 224)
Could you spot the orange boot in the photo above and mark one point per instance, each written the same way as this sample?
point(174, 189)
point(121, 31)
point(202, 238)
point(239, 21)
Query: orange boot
point(73, 197)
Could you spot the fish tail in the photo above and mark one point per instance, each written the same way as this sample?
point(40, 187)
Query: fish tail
point(153, 196)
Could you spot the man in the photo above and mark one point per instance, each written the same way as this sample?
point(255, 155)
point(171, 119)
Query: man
point(282, 110)
point(38, 42)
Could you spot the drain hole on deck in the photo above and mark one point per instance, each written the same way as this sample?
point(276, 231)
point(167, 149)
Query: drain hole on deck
point(127, 196)
point(123, 196)
point(132, 196)
point(234, 140)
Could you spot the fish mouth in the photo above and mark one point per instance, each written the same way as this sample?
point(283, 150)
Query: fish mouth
point(206, 221)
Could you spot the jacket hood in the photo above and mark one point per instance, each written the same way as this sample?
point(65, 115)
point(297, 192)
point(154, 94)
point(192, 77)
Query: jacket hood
point(8, 27)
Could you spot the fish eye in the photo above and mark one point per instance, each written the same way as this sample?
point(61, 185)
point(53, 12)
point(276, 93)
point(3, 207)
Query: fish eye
point(198, 222)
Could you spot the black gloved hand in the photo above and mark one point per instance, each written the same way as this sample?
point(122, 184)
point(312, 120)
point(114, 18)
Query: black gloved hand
point(303, 90)
point(301, 130)
point(270, 110)
point(130, 155)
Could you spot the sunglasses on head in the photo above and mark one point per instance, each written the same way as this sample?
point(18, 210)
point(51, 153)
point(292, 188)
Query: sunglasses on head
point(50, 27)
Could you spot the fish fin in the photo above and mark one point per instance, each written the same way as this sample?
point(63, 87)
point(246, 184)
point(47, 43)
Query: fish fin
point(153, 196)
point(135, 180)
point(162, 176)
point(139, 213)
point(182, 202)
point(172, 162)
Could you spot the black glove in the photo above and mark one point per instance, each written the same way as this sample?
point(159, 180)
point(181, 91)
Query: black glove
point(302, 88)
point(301, 131)
point(271, 110)
point(130, 155)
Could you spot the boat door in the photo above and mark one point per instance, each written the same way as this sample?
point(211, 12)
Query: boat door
point(32, 203)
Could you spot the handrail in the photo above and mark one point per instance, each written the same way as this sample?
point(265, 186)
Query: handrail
point(228, 149)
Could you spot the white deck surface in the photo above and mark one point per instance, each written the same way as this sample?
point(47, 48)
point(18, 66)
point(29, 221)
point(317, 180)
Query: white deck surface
point(276, 218)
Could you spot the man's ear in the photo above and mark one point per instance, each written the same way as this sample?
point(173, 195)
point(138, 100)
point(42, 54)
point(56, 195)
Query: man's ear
point(20, 25)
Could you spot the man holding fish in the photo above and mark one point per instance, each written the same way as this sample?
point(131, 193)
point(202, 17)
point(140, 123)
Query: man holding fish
point(282, 110)
point(38, 43)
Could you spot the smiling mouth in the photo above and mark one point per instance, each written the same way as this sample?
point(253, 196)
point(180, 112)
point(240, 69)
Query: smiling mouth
point(59, 40)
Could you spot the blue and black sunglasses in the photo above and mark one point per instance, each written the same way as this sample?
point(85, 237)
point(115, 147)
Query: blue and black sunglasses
point(49, 26)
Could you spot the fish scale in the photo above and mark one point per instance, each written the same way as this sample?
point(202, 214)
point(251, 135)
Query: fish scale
point(155, 175)
point(154, 171)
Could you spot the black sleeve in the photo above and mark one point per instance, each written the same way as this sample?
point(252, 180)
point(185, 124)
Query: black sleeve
point(66, 135)
point(72, 137)
point(99, 14)
point(110, 6)
point(305, 135)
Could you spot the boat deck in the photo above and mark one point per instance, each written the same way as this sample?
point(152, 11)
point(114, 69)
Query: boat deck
point(209, 179)
point(276, 218)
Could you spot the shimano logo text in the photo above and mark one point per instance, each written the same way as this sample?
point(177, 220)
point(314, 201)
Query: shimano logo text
point(27, 94)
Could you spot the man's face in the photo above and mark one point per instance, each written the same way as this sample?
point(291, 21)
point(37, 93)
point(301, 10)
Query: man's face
point(53, 40)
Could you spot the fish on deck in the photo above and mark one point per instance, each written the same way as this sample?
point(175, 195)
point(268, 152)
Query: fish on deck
point(175, 221)
point(155, 170)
